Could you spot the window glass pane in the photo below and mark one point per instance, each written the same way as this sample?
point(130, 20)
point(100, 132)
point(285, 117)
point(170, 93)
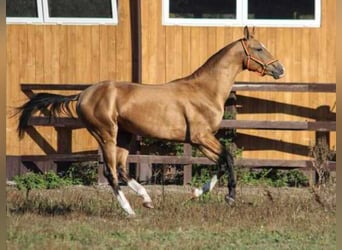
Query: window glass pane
point(203, 9)
point(21, 8)
point(80, 8)
point(281, 9)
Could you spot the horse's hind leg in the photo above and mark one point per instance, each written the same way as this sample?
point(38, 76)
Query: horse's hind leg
point(122, 151)
point(107, 141)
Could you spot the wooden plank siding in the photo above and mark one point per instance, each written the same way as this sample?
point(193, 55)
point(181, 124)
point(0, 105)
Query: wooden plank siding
point(308, 55)
point(90, 53)
point(63, 54)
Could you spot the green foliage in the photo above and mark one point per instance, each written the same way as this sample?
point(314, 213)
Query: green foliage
point(82, 173)
point(159, 147)
point(296, 178)
point(30, 180)
point(267, 177)
point(229, 115)
point(200, 177)
point(52, 180)
point(273, 177)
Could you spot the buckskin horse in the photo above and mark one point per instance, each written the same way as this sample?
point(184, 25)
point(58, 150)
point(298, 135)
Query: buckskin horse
point(189, 109)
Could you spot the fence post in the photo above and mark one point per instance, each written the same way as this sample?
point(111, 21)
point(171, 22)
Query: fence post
point(144, 169)
point(64, 140)
point(322, 114)
point(187, 151)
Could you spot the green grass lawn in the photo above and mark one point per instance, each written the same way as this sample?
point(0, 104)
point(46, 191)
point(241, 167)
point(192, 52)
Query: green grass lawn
point(89, 218)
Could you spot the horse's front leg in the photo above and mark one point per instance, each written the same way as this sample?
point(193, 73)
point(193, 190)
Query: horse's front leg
point(216, 152)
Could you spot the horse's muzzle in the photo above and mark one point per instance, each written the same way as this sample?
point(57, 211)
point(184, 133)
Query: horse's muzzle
point(278, 75)
point(278, 72)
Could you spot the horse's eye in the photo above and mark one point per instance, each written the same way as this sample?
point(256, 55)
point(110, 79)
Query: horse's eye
point(259, 49)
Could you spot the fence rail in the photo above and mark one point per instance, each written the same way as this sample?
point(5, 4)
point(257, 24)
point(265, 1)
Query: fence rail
point(64, 127)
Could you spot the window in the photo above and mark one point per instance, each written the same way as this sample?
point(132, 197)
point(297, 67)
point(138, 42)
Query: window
point(62, 11)
point(18, 11)
point(201, 12)
point(289, 13)
point(269, 13)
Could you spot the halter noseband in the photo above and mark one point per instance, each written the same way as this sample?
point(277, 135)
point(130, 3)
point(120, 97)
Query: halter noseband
point(250, 57)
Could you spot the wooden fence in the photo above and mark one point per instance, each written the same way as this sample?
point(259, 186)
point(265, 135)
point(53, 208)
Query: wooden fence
point(325, 122)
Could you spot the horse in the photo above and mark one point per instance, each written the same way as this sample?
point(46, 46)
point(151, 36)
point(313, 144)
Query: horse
point(188, 110)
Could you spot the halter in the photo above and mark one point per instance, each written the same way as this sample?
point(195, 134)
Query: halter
point(250, 57)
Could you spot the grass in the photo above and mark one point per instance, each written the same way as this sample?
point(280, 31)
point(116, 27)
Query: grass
point(89, 218)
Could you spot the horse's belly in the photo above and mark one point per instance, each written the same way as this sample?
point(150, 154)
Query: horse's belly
point(155, 127)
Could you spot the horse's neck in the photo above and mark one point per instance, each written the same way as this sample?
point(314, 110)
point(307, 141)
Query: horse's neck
point(217, 75)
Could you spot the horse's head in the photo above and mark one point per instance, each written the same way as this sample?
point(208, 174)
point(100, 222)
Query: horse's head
point(257, 58)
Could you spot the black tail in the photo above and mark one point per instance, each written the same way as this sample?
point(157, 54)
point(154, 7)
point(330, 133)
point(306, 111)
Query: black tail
point(51, 103)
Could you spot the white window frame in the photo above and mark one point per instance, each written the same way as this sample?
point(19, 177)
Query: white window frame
point(44, 17)
point(28, 20)
point(166, 20)
point(241, 18)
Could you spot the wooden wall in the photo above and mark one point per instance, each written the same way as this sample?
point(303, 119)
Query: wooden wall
point(79, 54)
point(308, 55)
point(63, 54)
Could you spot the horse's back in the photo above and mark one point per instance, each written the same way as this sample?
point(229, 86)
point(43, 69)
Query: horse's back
point(150, 110)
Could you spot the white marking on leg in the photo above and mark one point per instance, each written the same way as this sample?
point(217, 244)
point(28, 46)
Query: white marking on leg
point(197, 192)
point(139, 189)
point(124, 203)
point(206, 187)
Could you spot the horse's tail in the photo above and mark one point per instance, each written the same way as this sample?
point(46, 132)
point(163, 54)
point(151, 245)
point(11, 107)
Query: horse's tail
point(51, 104)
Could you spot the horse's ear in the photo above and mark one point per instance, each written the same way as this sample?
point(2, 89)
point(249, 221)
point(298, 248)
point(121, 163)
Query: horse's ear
point(246, 33)
point(253, 32)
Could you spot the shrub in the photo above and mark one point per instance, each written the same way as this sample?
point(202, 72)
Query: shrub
point(273, 177)
point(30, 180)
point(82, 173)
point(52, 180)
point(269, 177)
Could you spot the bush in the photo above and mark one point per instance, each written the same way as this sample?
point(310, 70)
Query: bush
point(269, 177)
point(30, 180)
point(82, 173)
point(53, 181)
point(273, 177)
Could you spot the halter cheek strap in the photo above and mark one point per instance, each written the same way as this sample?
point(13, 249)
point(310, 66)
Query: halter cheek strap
point(250, 57)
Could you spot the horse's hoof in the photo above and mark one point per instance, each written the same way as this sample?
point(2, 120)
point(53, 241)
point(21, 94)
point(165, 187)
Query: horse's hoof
point(195, 193)
point(230, 200)
point(131, 216)
point(148, 205)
